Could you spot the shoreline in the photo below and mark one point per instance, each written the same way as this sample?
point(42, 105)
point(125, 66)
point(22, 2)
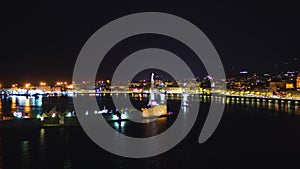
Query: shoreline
point(32, 122)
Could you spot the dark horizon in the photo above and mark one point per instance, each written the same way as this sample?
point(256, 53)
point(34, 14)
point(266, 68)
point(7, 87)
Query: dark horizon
point(41, 41)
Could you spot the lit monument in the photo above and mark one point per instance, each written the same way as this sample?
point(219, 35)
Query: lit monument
point(157, 108)
point(152, 100)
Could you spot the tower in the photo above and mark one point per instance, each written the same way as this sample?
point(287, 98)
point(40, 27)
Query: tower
point(152, 100)
point(298, 81)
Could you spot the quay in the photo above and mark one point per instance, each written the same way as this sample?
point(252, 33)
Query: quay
point(68, 122)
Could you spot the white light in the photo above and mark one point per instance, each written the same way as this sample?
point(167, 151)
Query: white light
point(69, 114)
point(18, 114)
point(103, 111)
point(124, 116)
point(115, 117)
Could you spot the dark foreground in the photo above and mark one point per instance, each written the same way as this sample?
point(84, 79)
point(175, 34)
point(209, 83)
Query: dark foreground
point(247, 137)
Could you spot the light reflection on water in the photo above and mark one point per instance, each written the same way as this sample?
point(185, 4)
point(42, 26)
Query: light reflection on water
point(24, 154)
point(283, 106)
point(45, 150)
point(42, 145)
point(67, 163)
point(154, 128)
point(1, 153)
point(38, 105)
point(31, 106)
point(297, 110)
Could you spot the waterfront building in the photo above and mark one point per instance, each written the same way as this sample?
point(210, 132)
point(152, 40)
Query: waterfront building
point(277, 85)
point(298, 82)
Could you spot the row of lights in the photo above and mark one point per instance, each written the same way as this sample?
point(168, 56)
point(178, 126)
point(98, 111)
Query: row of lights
point(27, 85)
point(61, 83)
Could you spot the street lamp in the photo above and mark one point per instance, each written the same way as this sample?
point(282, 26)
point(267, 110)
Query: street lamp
point(27, 85)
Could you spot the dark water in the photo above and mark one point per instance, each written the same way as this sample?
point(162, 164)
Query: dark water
point(250, 135)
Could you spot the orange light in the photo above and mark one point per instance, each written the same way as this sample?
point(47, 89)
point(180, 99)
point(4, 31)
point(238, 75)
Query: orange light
point(27, 85)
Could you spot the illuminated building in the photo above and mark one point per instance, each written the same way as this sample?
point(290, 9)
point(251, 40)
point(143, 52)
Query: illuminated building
point(289, 85)
point(56, 89)
point(103, 86)
point(43, 87)
point(298, 82)
point(155, 111)
point(60, 86)
point(276, 86)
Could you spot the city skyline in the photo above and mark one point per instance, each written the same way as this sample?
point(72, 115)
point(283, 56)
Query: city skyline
point(258, 37)
point(144, 75)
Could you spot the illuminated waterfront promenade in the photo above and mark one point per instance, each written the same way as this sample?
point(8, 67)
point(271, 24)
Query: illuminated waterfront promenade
point(37, 106)
point(168, 94)
point(32, 111)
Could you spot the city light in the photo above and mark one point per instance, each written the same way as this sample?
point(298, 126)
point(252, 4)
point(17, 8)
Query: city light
point(70, 87)
point(27, 85)
point(14, 85)
point(18, 115)
point(69, 114)
point(244, 72)
point(283, 85)
point(61, 83)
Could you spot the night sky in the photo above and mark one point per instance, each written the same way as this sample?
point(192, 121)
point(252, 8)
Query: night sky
point(41, 41)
